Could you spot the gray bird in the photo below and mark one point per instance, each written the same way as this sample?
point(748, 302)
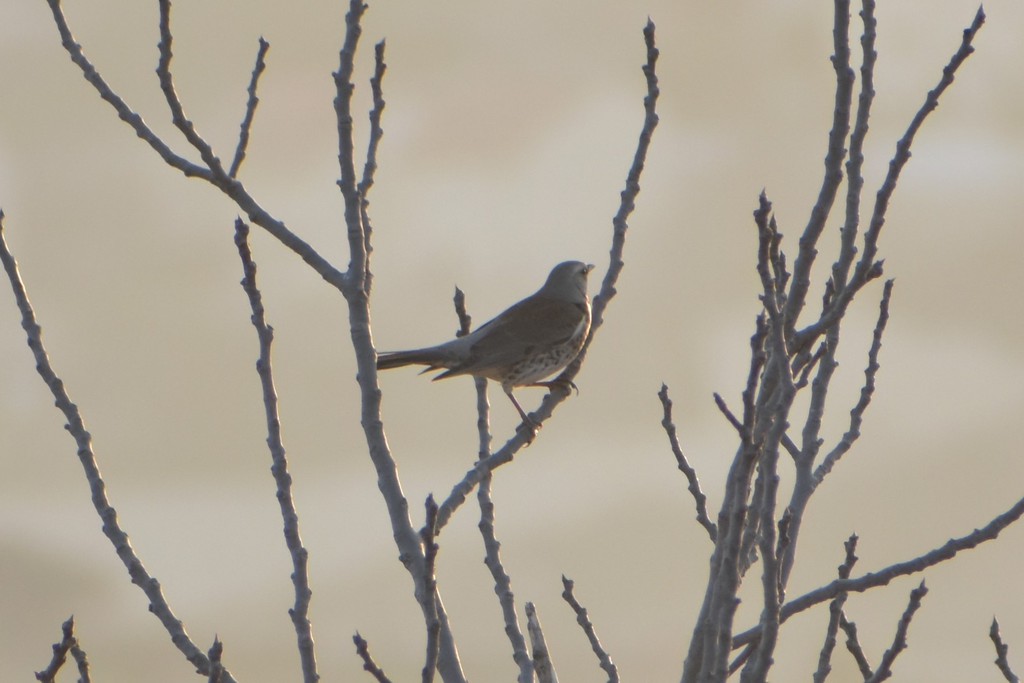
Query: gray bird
point(527, 342)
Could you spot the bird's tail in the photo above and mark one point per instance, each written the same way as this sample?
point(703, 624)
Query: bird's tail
point(432, 358)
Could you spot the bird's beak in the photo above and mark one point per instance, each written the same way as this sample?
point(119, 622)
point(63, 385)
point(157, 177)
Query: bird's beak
point(589, 267)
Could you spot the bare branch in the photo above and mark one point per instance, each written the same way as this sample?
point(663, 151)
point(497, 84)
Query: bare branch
point(542, 664)
point(736, 424)
point(855, 163)
point(124, 112)
point(772, 584)
point(178, 118)
point(835, 611)
point(866, 392)
point(370, 166)
point(357, 270)
point(60, 652)
point(691, 474)
point(632, 189)
point(356, 291)
point(76, 427)
point(214, 175)
point(431, 596)
point(250, 109)
point(293, 540)
point(853, 646)
point(492, 548)
point(588, 628)
point(867, 267)
point(899, 641)
point(767, 256)
point(363, 650)
point(833, 166)
point(216, 668)
point(502, 582)
point(1002, 650)
point(880, 578)
point(619, 223)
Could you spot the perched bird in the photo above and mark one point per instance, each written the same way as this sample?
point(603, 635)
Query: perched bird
point(529, 341)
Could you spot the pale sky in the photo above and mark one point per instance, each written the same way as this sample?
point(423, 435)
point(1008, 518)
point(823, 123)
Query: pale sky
point(509, 129)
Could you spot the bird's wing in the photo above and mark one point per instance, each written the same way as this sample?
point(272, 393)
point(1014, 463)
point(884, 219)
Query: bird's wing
point(532, 325)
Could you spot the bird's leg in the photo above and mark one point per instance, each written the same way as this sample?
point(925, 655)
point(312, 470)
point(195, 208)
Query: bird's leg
point(527, 421)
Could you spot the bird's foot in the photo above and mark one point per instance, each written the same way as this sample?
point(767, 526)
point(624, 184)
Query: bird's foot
point(558, 383)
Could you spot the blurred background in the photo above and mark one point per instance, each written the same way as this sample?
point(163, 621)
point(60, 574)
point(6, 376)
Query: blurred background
point(509, 129)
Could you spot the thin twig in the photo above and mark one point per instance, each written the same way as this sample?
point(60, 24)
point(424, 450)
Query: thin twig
point(835, 613)
point(855, 162)
point(216, 668)
point(215, 176)
point(882, 577)
point(767, 240)
point(899, 641)
point(502, 583)
point(60, 652)
point(588, 628)
point(833, 166)
point(1002, 650)
point(433, 622)
point(867, 267)
point(83, 440)
point(523, 438)
point(693, 483)
point(492, 547)
point(166, 78)
point(370, 166)
point(866, 392)
point(355, 289)
point(363, 650)
point(724, 408)
point(542, 664)
point(124, 112)
point(854, 647)
point(250, 109)
point(344, 86)
point(279, 468)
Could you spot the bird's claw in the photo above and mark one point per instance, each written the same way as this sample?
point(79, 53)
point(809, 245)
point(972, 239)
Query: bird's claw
point(563, 384)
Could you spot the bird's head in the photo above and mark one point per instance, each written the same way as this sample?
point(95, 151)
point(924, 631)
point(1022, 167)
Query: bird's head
point(568, 280)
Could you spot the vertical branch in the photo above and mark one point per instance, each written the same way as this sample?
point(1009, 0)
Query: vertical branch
point(431, 605)
point(833, 166)
point(632, 189)
point(855, 164)
point(356, 293)
point(542, 663)
point(178, 117)
point(293, 540)
point(835, 610)
point(492, 547)
point(868, 268)
point(346, 147)
point(250, 109)
point(370, 167)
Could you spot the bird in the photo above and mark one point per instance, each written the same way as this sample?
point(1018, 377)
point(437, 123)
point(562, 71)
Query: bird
point(530, 340)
